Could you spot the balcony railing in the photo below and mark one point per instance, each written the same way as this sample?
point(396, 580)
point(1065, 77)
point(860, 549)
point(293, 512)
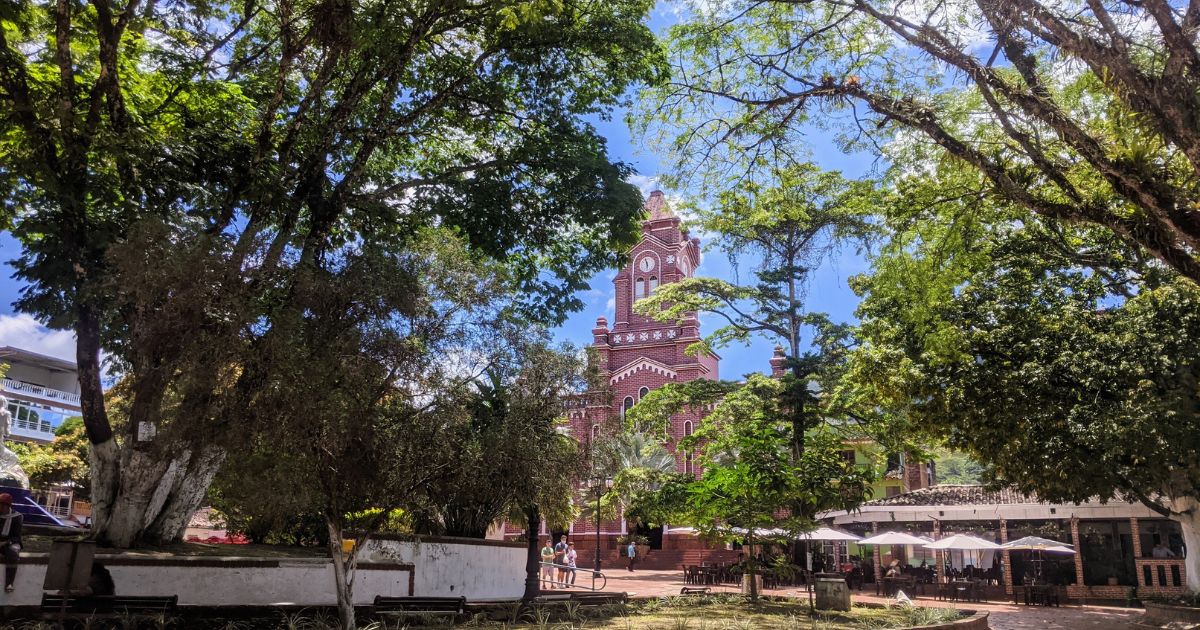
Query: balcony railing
point(41, 392)
point(39, 428)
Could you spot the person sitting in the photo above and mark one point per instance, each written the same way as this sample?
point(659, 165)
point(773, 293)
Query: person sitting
point(10, 539)
point(1162, 551)
point(100, 583)
point(894, 569)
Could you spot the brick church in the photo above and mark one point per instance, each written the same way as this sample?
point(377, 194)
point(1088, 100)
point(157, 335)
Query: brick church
point(636, 355)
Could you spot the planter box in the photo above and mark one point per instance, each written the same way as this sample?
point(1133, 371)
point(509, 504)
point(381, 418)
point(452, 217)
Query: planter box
point(977, 621)
point(1162, 614)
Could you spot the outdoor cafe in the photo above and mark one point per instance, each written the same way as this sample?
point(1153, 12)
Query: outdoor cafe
point(957, 542)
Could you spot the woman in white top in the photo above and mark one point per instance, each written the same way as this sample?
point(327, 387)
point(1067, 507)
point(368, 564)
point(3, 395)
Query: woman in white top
point(570, 559)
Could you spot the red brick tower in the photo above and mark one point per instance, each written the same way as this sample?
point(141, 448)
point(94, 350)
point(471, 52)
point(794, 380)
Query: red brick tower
point(638, 354)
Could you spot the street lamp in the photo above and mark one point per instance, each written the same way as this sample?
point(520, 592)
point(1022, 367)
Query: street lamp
point(599, 494)
point(599, 485)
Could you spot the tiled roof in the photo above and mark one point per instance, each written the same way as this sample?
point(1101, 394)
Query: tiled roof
point(957, 495)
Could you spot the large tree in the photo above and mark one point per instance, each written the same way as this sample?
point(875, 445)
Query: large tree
point(184, 177)
point(783, 223)
point(1079, 111)
point(505, 442)
point(1060, 357)
point(750, 474)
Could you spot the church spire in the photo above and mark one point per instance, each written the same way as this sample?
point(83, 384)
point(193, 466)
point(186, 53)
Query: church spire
point(657, 205)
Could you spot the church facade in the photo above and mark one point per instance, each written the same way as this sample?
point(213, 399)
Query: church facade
point(635, 355)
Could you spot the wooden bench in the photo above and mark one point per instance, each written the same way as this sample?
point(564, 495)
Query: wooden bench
point(694, 590)
point(402, 606)
point(107, 606)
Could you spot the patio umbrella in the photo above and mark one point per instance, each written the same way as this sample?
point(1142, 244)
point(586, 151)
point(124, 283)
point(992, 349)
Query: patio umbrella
point(1037, 544)
point(892, 538)
point(774, 532)
point(681, 530)
point(828, 533)
point(963, 542)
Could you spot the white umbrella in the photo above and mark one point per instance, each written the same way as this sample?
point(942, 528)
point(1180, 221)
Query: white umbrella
point(964, 542)
point(892, 538)
point(1037, 543)
point(764, 533)
point(681, 530)
point(827, 533)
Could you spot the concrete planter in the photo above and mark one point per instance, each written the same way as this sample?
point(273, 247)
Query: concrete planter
point(1162, 614)
point(746, 584)
point(977, 621)
point(832, 594)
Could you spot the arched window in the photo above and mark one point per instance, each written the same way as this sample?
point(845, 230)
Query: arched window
point(595, 431)
point(653, 284)
point(639, 289)
point(642, 392)
point(687, 428)
point(688, 466)
point(626, 405)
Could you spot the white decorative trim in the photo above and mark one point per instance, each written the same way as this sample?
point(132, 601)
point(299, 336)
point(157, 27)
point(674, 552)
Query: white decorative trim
point(643, 364)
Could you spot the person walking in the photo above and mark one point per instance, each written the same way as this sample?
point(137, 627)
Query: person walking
point(547, 564)
point(10, 539)
point(560, 560)
point(571, 568)
point(631, 552)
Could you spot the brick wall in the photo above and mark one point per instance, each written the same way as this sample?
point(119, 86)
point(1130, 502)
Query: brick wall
point(1158, 576)
point(1079, 591)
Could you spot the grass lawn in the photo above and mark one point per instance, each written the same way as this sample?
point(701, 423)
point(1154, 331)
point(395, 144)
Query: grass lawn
point(715, 612)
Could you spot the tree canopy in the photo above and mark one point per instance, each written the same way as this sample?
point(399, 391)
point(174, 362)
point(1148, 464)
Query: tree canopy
point(1081, 112)
point(1057, 355)
point(784, 224)
point(188, 180)
point(750, 476)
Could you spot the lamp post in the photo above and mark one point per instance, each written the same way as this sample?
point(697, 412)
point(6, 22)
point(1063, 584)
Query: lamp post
point(599, 494)
point(600, 484)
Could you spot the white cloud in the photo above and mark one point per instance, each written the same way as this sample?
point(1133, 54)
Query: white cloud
point(646, 183)
point(24, 332)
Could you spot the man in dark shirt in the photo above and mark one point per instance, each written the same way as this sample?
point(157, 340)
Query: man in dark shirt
point(10, 539)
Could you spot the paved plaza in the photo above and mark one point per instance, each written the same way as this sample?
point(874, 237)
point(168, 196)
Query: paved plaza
point(1003, 616)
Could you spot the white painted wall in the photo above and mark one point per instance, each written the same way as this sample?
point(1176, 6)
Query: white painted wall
point(478, 572)
point(448, 569)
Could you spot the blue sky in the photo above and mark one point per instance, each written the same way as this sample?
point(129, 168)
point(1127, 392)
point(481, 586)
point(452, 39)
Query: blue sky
point(828, 293)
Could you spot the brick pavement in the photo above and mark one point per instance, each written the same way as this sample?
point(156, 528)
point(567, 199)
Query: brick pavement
point(1003, 616)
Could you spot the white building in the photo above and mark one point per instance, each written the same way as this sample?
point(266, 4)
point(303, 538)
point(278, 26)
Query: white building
point(42, 392)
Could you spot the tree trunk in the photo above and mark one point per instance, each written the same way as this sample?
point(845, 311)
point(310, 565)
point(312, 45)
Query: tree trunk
point(751, 567)
point(1186, 511)
point(104, 456)
point(138, 478)
point(532, 560)
point(184, 496)
point(106, 484)
point(343, 574)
